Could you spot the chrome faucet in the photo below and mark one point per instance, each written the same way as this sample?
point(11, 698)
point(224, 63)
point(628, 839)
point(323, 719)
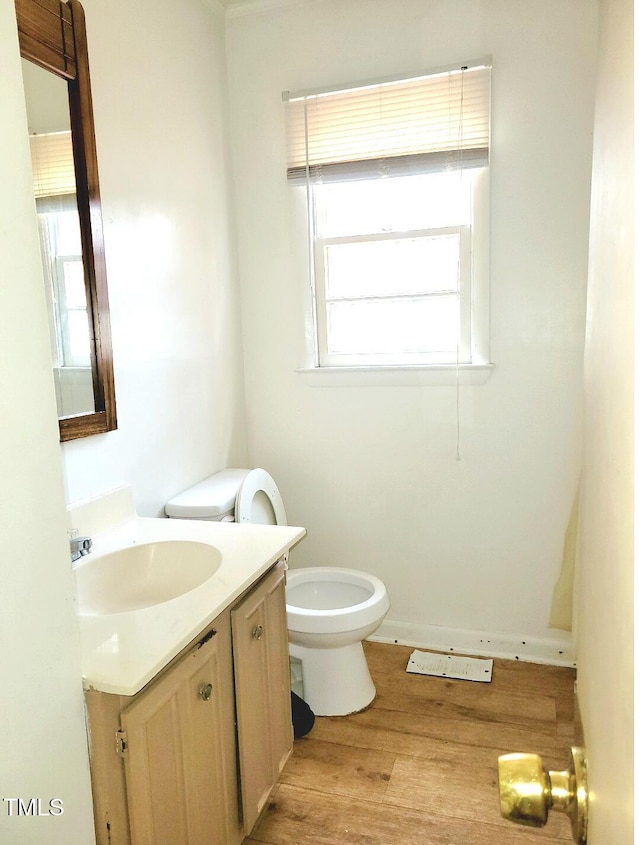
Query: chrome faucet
point(80, 546)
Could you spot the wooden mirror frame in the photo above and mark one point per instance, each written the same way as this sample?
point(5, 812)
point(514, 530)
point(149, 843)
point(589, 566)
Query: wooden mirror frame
point(52, 34)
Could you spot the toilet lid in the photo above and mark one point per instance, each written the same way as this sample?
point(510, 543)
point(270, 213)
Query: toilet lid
point(210, 499)
point(259, 500)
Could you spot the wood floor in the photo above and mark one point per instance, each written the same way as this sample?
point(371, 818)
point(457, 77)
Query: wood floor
point(419, 766)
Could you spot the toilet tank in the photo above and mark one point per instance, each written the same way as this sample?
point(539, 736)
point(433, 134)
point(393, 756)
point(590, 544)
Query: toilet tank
point(212, 499)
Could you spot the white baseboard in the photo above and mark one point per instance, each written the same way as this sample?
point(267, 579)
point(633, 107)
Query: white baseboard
point(556, 651)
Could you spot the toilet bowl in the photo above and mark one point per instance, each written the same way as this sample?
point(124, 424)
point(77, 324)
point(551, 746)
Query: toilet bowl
point(330, 610)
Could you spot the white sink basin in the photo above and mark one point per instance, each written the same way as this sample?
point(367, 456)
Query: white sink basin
point(142, 575)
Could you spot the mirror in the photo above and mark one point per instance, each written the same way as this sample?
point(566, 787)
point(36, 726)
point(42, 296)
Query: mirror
point(54, 186)
point(58, 95)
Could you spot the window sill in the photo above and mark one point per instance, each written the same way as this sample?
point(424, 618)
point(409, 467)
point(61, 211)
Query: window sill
point(396, 376)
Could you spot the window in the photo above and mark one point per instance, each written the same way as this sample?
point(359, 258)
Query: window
point(61, 247)
point(395, 177)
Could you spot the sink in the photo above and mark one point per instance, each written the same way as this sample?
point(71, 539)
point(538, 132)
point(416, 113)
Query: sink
point(142, 575)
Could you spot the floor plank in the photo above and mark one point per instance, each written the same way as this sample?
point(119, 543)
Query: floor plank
point(420, 764)
point(296, 818)
point(340, 769)
point(410, 733)
point(436, 697)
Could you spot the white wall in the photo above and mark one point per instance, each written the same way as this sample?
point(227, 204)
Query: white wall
point(606, 547)
point(158, 84)
point(159, 88)
point(42, 735)
point(370, 471)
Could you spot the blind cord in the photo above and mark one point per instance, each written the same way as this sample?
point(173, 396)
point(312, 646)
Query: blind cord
point(460, 188)
point(311, 228)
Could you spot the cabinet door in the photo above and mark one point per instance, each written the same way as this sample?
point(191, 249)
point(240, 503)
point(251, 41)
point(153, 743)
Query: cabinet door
point(180, 757)
point(263, 699)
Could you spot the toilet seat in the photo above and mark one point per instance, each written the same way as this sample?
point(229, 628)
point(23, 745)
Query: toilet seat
point(259, 501)
point(331, 600)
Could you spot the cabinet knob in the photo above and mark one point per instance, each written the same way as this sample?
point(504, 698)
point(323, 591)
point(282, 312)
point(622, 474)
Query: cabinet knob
point(257, 632)
point(205, 691)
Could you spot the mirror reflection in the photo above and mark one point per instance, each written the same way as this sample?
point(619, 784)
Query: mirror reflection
point(60, 240)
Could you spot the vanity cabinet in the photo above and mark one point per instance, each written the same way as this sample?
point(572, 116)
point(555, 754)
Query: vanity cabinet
point(191, 759)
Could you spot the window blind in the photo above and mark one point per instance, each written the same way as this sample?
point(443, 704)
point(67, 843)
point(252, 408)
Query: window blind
point(52, 164)
point(45, 31)
point(435, 122)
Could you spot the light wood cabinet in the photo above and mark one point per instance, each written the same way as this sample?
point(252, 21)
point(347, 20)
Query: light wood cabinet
point(263, 699)
point(192, 758)
point(179, 758)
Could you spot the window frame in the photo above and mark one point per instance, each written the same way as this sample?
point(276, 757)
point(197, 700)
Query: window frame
point(462, 292)
point(473, 348)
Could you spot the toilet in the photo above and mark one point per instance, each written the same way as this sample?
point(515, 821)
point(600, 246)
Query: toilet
point(330, 610)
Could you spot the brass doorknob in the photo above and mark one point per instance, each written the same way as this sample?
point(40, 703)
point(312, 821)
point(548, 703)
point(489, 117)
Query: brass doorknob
point(528, 791)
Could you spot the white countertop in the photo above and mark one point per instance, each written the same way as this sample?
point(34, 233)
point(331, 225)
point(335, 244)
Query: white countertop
point(121, 652)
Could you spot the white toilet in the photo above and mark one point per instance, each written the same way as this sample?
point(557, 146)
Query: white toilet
point(330, 610)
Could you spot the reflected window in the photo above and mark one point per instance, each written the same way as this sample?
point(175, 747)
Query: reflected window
point(61, 247)
point(62, 259)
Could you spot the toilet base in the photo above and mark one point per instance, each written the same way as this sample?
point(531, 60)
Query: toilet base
point(336, 681)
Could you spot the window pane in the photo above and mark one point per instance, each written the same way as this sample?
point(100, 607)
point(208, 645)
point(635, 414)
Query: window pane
point(392, 266)
point(78, 339)
point(68, 235)
point(397, 204)
point(400, 326)
point(73, 271)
